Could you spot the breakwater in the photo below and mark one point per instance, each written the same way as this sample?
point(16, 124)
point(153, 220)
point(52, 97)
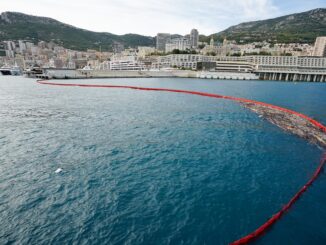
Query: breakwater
point(80, 74)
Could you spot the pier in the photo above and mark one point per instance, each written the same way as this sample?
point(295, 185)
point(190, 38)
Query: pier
point(280, 75)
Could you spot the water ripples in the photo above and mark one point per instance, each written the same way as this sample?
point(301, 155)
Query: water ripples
point(146, 168)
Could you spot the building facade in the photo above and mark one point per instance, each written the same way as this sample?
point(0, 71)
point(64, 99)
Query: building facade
point(194, 38)
point(126, 63)
point(161, 40)
point(320, 47)
point(177, 43)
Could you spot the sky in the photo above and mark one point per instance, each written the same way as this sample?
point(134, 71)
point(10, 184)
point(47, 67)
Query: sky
point(148, 17)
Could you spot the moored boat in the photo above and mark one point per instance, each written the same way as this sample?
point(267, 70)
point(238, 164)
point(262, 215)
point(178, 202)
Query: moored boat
point(5, 70)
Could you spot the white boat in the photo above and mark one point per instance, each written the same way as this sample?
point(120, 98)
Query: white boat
point(16, 71)
point(5, 71)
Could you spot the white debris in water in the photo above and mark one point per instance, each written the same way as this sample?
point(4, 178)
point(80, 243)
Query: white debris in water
point(260, 116)
point(59, 170)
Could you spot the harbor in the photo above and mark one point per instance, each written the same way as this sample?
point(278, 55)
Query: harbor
point(85, 74)
point(162, 122)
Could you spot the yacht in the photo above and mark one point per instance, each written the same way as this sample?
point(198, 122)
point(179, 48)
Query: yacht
point(33, 71)
point(16, 71)
point(5, 70)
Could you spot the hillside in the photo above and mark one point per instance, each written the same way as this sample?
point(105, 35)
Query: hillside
point(302, 27)
point(15, 26)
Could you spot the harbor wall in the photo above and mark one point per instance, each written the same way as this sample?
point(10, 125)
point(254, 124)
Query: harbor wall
point(75, 74)
point(262, 75)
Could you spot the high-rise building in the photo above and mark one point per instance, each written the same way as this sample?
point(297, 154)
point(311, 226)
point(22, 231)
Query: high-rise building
point(161, 40)
point(10, 45)
point(320, 47)
point(194, 38)
point(22, 46)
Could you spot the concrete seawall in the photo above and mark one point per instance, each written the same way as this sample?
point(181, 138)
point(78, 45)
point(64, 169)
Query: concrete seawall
point(77, 74)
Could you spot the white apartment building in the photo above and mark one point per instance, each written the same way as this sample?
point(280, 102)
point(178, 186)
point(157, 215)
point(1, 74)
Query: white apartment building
point(234, 66)
point(22, 46)
point(10, 45)
point(188, 61)
point(177, 43)
point(125, 63)
point(246, 63)
point(289, 63)
point(320, 47)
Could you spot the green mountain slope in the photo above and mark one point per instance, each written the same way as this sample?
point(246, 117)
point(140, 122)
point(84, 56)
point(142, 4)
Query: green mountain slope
point(15, 26)
point(302, 27)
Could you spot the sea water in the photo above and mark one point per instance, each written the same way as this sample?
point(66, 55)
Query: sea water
point(142, 167)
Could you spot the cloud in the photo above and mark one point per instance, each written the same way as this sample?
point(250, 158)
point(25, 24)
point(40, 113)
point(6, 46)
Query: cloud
point(151, 16)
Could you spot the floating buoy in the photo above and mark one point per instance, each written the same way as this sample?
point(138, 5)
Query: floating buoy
point(59, 170)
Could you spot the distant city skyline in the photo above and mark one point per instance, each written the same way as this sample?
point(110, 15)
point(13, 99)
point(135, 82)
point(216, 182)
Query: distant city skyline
point(149, 17)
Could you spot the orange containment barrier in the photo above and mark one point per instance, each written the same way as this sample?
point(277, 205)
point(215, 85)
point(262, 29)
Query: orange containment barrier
point(264, 227)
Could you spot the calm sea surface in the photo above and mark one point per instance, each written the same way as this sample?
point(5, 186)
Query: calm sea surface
point(154, 167)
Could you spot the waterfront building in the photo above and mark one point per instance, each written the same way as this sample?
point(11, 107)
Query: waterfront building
point(126, 63)
point(320, 47)
point(161, 40)
point(206, 66)
point(235, 66)
point(187, 61)
point(290, 68)
point(194, 38)
point(161, 62)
